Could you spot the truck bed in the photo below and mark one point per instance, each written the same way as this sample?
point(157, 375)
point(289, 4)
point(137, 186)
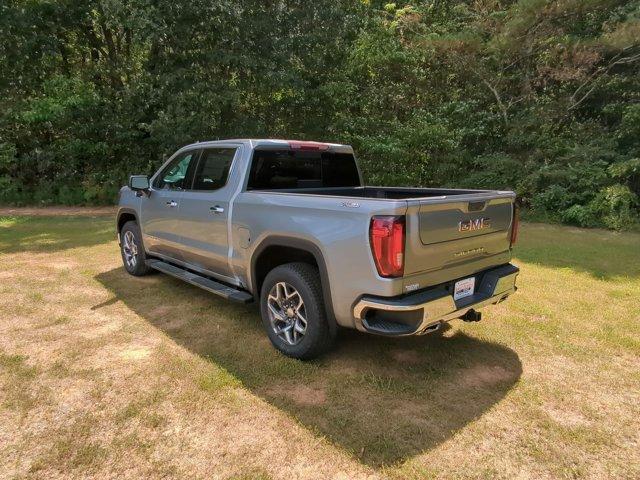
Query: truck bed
point(449, 232)
point(383, 193)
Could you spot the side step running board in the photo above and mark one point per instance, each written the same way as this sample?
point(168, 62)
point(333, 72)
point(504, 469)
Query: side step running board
point(212, 286)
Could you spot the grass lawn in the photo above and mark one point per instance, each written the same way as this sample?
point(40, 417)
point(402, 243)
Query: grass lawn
point(103, 375)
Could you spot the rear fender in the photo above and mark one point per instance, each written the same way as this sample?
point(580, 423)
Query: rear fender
point(300, 244)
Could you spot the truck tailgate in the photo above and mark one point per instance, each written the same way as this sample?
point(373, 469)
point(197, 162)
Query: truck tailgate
point(456, 235)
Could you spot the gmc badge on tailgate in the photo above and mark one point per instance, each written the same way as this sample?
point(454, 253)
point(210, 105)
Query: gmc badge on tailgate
point(472, 225)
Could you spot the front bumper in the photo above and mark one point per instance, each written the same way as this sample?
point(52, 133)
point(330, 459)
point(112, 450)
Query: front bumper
point(423, 312)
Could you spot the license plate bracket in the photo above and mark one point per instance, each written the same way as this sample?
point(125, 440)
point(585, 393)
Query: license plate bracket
point(464, 288)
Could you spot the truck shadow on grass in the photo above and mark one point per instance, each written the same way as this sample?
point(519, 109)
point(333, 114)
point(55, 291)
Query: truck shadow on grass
point(383, 400)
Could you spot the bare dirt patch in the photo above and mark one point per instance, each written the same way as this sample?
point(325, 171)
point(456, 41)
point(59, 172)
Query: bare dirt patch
point(135, 353)
point(304, 395)
point(566, 416)
point(56, 211)
point(161, 311)
point(406, 356)
point(485, 376)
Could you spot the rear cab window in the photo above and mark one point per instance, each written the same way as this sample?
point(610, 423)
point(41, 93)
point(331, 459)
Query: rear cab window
point(282, 169)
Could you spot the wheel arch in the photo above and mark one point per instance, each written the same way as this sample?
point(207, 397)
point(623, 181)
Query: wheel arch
point(278, 250)
point(125, 215)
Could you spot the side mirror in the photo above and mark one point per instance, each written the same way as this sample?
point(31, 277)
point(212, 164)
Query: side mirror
point(139, 183)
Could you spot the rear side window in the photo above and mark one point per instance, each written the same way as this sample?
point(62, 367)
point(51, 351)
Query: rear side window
point(213, 168)
point(285, 169)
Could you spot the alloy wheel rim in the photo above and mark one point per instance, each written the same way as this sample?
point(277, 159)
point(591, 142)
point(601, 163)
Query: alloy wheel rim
point(130, 249)
point(287, 313)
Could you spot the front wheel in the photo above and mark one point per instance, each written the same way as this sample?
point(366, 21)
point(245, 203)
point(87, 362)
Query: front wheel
point(132, 250)
point(293, 312)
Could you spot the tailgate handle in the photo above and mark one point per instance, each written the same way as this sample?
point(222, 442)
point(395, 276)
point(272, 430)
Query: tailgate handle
point(476, 206)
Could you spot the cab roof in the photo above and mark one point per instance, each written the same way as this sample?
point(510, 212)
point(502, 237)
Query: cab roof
point(275, 143)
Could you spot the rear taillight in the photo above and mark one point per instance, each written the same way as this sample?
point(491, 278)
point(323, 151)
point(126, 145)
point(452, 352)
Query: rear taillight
point(515, 224)
point(387, 244)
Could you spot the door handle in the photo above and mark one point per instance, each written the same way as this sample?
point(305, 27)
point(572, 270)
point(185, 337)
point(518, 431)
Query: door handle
point(217, 209)
point(172, 203)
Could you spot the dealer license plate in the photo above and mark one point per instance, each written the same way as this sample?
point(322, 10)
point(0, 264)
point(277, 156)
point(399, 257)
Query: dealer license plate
point(464, 288)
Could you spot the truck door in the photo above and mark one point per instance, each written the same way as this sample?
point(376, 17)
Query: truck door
point(204, 211)
point(159, 211)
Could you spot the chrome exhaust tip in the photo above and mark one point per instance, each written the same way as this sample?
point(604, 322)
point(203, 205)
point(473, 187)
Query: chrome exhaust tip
point(432, 328)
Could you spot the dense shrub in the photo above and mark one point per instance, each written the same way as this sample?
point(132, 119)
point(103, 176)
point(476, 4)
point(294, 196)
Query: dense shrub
point(615, 207)
point(580, 216)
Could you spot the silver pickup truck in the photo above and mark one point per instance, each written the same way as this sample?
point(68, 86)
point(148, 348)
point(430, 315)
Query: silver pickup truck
point(290, 225)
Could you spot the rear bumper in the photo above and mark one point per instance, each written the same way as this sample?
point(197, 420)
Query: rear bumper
point(423, 312)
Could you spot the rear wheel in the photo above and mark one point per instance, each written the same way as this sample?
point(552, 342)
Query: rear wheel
point(293, 312)
point(132, 250)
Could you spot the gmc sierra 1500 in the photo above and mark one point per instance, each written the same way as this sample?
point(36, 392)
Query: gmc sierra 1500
point(289, 224)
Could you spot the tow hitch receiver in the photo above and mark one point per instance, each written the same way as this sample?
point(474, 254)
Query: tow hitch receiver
point(472, 316)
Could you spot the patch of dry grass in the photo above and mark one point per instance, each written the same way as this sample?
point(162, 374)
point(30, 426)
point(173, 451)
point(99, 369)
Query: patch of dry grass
point(104, 375)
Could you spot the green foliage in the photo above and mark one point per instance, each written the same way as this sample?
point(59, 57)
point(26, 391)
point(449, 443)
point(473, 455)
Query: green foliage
point(539, 96)
point(580, 216)
point(616, 207)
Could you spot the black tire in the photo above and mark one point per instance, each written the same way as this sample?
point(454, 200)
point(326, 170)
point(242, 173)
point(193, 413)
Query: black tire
point(304, 278)
point(130, 233)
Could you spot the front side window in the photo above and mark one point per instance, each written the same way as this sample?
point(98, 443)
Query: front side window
point(173, 177)
point(213, 168)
